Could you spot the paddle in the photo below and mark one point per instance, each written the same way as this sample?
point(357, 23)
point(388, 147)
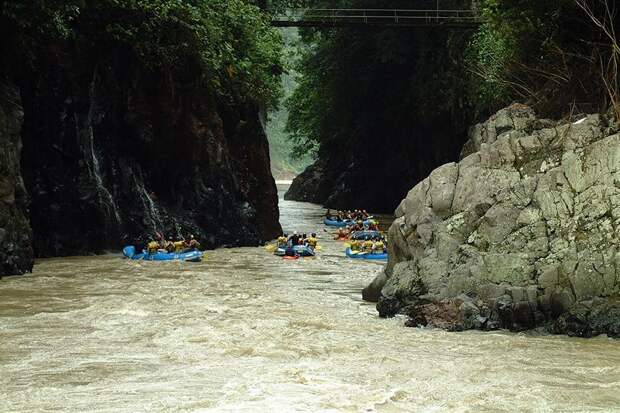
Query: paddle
point(270, 248)
point(358, 253)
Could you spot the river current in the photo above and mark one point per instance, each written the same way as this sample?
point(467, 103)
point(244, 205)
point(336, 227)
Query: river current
point(245, 331)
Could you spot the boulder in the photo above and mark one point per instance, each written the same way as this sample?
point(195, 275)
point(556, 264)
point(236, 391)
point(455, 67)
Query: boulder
point(528, 222)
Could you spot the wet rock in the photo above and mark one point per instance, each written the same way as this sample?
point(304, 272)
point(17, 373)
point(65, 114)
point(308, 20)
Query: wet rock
point(16, 254)
point(372, 292)
point(526, 223)
point(389, 306)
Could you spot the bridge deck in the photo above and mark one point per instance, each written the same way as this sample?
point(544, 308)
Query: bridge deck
point(376, 17)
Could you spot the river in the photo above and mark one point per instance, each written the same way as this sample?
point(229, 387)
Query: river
point(245, 331)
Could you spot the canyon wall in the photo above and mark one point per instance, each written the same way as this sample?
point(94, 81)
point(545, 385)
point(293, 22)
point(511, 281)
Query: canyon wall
point(112, 151)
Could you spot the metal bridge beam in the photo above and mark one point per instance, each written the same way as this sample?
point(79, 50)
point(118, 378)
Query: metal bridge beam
point(376, 17)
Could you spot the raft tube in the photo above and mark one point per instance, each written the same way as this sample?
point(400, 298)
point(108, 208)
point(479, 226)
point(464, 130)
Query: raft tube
point(301, 250)
point(341, 224)
point(365, 235)
point(366, 255)
point(190, 256)
point(334, 223)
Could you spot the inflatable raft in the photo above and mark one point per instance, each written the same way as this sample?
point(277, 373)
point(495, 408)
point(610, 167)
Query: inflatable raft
point(365, 235)
point(191, 256)
point(346, 222)
point(365, 255)
point(335, 223)
point(301, 250)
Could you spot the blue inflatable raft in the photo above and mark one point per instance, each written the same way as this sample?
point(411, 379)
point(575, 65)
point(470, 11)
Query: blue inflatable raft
point(346, 222)
point(301, 250)
point(334, 223)
point(191, 256)
point(365, 255)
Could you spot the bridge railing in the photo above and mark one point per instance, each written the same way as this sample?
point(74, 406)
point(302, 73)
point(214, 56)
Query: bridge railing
point(377, 16)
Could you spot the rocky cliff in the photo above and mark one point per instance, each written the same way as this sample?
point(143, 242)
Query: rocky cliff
point(523, 232)
point(113, 151)
point(376, 169)
point(16, 255)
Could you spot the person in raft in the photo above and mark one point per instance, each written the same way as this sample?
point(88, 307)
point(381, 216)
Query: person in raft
point(359, 226)
point(291, 243)
point(294, 239)
point(179, 245)
point(373, 225)
point(367, 246)
point(378, 247)
point(192, 243)
point(169, 245)
point(342, 233)
point(156, 244)
point(312, 242)
point(282, 240)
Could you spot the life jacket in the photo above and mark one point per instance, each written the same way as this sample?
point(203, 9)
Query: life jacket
point(194, 244)
point(367, 245)
point(152, 247)
point(179, 246)
point(379, 246)
point(313, 242)
point(355, 245)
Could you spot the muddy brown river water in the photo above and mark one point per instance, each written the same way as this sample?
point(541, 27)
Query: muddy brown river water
point(245, 331)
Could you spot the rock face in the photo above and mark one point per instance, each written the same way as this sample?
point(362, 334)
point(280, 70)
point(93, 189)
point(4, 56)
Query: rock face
point(375, 170)
point(113, 151)
point(523, 232)
point(16, 255)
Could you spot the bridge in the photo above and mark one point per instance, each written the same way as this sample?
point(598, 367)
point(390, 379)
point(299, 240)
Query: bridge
point(376, 17)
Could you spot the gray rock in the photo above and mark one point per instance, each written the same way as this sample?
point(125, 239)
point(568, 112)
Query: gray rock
point(372, 292)
point(528, 222)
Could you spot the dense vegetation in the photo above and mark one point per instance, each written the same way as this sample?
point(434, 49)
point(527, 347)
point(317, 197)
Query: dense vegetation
point(224, 44)
point(555, 55)
point(368, 85)
point(281, 147)
point(549, 54)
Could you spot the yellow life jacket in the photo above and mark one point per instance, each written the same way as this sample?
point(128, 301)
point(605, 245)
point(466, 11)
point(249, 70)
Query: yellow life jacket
point(179, 246)
point(379, 246)
point(313, 242)
point(355, 245)
point(367, 245)
point(152, 247)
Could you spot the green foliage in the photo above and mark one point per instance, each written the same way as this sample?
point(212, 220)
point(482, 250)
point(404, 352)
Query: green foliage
point(38, 19)
point(360, 85)
point(229, 40)
point(536, 51)
point(281, 147)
